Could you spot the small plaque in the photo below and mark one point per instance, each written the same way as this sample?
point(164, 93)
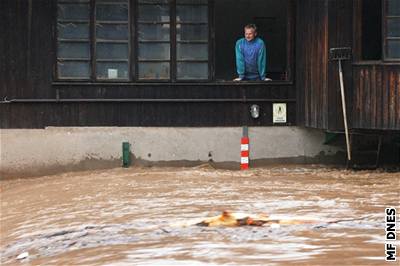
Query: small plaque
point(112, 73)
point(279, 112)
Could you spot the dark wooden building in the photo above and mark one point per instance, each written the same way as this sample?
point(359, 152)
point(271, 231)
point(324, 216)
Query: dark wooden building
point(372, 78)
point(171, 63)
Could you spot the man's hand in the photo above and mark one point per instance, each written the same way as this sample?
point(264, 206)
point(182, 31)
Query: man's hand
point(238, 79)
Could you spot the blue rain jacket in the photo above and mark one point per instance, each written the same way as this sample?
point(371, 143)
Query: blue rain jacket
point(251, 59)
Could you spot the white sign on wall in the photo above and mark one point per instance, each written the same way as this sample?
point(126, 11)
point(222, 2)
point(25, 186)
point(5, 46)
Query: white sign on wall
point(112, 73)
point(279, 112)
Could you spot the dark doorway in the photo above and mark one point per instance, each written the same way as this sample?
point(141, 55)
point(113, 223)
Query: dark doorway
point(372, 30)
point(271, 18)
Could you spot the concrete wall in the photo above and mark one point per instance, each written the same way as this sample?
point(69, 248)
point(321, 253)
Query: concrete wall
point(31, 152)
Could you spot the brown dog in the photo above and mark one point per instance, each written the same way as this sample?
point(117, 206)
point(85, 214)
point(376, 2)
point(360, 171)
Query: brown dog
point(241, 219)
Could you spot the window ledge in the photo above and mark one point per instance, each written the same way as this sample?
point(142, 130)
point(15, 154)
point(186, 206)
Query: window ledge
point(376, 62)
point(213, 83)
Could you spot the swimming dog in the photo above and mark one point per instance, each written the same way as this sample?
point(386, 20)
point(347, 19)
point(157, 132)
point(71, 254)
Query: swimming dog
point(241, 219)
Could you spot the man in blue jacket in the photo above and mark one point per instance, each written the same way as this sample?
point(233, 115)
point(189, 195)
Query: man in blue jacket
point(251, 56)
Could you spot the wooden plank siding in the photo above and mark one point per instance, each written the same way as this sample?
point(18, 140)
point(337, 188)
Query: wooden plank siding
point(312, 62)
point(322, 25)
point(372, 88)
point(28, 52)
point(373, 92)
point(26, 72)
point(376, 96)
point(220, 114)
point(233, 110)
point(340, 35)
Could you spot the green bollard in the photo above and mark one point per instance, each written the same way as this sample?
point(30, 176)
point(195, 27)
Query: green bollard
point(126, 154)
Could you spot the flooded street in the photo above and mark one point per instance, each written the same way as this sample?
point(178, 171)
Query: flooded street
point(136, 216)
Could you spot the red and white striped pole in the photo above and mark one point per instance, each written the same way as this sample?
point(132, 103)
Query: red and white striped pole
point(244, 150)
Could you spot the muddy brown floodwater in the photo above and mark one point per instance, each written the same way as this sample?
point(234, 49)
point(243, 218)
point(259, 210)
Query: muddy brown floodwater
point(130, 217)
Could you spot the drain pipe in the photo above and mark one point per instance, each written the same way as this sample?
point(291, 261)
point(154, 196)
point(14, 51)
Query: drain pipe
point(126, 154)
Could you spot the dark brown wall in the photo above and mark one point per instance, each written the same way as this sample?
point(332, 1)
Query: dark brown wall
point(27, 48)
point(321, 25)
point(376, 84)
point(376, 96)
point(311, 62)
point(27, 55)
point(229, 112)
point(26, 61)
point(340, 21)
point(372, 88)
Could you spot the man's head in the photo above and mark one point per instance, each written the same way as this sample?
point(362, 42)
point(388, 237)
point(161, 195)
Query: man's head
point(250, 32)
